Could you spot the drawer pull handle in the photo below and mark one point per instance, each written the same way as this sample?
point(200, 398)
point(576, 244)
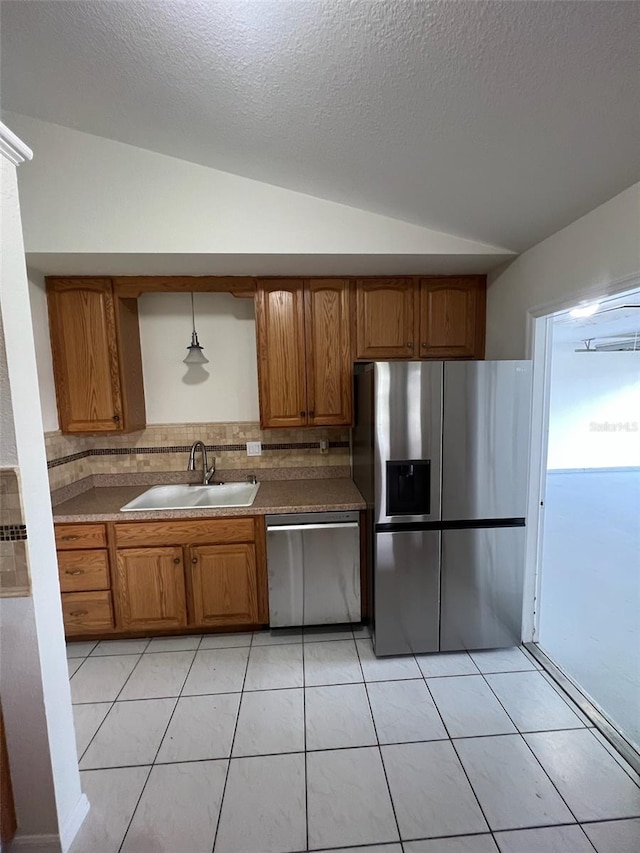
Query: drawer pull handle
point(79, 613)
point(69, 538)
point(176, 560)
point(75, 572)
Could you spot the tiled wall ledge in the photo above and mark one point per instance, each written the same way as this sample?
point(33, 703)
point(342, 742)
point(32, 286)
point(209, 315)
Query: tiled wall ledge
point(14, 568)
point(165, 448)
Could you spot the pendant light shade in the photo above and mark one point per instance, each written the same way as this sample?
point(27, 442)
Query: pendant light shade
point(195, 354)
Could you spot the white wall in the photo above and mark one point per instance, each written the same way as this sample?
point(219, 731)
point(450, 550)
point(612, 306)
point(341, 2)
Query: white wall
point(582, 260)
point(8, 451)
point(86, 194)
point(594, 389)
point(226, 389)
point(38, 299)
point(34, 680)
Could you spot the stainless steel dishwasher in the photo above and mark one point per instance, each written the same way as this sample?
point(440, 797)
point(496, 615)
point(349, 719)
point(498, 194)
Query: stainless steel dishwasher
point(313, 560)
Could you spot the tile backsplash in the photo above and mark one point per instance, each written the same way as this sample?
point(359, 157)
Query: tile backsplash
point(14, 568)
point(165, 447)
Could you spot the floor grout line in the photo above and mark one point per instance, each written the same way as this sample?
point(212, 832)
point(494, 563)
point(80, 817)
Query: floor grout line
point(544, 770)
point(384, 768)
point(153, 763)
point(233, 740)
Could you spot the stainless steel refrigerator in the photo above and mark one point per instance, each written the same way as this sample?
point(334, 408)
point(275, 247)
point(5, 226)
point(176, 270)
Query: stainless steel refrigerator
point(440, 454)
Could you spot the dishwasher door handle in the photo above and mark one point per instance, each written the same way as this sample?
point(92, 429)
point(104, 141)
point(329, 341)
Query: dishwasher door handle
point(288, 528)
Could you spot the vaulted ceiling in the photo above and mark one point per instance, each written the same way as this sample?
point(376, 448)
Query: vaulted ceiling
point(496, 121)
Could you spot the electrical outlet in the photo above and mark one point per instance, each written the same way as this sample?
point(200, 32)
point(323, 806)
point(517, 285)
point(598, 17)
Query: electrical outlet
point(254, 448)
point(324, 446)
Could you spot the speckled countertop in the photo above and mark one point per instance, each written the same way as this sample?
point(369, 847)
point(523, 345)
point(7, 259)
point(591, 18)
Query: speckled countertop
point(322, 495)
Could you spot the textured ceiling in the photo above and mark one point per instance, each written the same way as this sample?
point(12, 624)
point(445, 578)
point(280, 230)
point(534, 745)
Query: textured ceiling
point(496, 121)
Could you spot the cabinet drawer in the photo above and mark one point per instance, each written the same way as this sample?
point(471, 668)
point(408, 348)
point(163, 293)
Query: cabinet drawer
point(202, 532)
point(86, 612)
point(71, 537)
point(83, 570)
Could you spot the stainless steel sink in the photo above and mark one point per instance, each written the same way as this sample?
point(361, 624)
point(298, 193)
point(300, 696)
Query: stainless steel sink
point(194, 497)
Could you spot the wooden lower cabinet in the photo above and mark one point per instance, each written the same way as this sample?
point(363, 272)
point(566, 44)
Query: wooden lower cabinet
point(191, 574)
point(87, 612)
point(150, 589)
point(224, 584)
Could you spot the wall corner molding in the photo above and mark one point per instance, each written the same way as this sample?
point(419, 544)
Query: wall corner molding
point(12, 147)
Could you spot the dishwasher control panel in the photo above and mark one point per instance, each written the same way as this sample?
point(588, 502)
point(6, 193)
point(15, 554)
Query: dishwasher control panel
point(332, 517)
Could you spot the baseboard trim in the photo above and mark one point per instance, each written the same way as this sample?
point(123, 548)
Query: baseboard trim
point(36, 843)
point(74, 822)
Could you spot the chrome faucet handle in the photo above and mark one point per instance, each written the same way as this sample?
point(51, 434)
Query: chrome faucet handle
point(251, 478)
point(209, 474)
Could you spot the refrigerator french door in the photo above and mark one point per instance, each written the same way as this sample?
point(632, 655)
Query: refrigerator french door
point(485, 443)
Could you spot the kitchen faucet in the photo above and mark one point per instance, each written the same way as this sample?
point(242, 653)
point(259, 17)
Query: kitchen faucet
point(207, 473)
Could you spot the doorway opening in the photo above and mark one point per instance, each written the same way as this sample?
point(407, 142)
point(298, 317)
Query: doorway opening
point(586, 611)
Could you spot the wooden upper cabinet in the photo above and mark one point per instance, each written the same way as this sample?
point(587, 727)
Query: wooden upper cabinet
point(281, 365)
point(452, 317)
point(150, 589)
point(328, 352)
point(304, 352)
point(97, 364)
point(224, 584)
point(386, 318)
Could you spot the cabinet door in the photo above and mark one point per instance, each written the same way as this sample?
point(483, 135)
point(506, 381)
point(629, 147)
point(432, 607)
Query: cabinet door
point(328, 349)
point(150, 591)
point(386, 318)
point(85, 357)
point(280, 332)
point(224, 585)
point(452, 317)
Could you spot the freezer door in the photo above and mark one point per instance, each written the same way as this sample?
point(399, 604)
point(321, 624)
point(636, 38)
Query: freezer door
point(406, 592)
point(408, 429)
point(486, 422)
point(482, 588)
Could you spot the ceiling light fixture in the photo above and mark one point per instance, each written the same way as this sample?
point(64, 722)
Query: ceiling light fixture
point(195, 354)
point(584, 310)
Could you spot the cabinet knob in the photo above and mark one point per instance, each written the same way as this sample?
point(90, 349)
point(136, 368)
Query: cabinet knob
point(79, 613)
point(312, 414)
point(410, 344)
point(176, 560)
point(424, 346)
point(194, 560)
point(303, 414)
point(76, 572)
point(116, 418)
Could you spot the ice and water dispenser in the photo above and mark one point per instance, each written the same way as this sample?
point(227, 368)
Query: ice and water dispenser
point(409, 487)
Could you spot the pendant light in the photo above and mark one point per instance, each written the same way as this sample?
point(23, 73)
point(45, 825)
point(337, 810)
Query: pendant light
point(195, 354)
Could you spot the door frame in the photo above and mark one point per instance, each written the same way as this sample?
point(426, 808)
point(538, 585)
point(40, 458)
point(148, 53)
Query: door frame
point(539, 344)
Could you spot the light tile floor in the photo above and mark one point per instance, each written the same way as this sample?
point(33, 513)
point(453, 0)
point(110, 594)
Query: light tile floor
point(292, 741)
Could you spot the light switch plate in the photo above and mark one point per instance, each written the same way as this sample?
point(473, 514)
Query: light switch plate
point(254, 448)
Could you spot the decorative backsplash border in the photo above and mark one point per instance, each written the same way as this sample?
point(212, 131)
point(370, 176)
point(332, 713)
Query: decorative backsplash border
point(14, 566)
point(13, 532)
point(185, 448)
